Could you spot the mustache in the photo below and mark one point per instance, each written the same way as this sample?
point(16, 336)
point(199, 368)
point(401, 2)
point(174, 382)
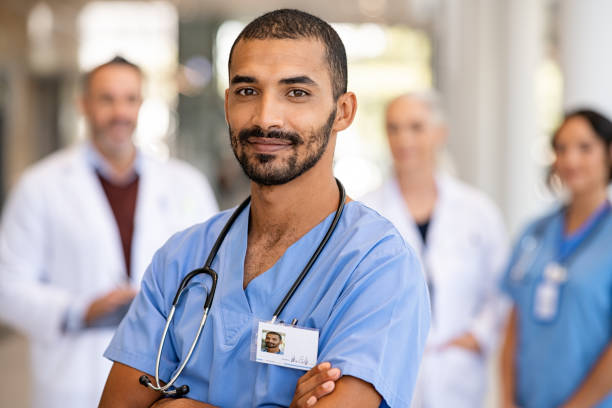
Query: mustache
point(121, 122)
point(292, 137)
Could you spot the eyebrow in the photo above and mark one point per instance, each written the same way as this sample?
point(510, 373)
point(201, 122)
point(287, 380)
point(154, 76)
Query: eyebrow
point(240, 79)
point(302, 79)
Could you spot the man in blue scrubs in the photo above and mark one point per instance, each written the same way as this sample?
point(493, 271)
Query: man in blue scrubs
point(286, 102)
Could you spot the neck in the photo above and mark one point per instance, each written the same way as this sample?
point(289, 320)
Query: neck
point(293, 208)
point(416, 183)
point(419, 192)
point(582, 206)
point(121, 162)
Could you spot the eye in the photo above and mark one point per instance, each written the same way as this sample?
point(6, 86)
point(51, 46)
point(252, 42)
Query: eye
point(245, 92)
point(106, 98)
point(417, 127)
point(584, 147)
point(298, 93)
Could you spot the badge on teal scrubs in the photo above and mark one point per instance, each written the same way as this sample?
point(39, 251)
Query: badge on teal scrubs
point(546, 302)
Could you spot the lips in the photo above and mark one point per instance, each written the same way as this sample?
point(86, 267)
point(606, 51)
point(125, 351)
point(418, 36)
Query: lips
point(268, 144)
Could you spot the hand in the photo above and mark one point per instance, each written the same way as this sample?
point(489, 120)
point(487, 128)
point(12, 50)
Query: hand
point(108, 303)
point(315, 384)
point(466, 341)
point(509, 404)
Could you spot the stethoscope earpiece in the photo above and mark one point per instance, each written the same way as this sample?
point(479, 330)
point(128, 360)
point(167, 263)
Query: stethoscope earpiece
point(144, 380)
point(182, 390)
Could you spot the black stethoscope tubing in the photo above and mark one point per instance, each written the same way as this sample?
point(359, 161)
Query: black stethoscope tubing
point(207, 269)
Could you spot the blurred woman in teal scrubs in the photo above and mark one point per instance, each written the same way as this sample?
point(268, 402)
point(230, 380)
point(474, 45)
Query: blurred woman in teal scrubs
point(558, 350)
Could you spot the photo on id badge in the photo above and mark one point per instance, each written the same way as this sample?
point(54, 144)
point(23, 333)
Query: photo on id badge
point(285, 345)
point(272, 342)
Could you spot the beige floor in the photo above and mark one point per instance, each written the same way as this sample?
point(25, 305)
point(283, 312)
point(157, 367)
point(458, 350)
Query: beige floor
point(14, 371)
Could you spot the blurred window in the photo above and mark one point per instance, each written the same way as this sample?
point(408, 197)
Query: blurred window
point(146, 33)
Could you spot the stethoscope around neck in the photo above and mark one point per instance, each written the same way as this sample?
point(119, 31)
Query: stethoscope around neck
point(178, 391)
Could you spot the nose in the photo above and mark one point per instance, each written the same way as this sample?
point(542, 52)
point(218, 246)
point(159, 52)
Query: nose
point(268, 113)
point(404, 137)
point(570, 157)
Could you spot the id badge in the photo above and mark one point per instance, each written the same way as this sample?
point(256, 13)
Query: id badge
point(546, 301)
point(555, 273)
point(285, 345)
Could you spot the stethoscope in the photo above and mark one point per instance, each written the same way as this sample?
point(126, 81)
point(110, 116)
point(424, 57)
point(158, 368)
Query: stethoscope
point(555, 273)
point(169, 389)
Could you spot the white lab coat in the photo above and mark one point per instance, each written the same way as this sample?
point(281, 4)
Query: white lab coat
point(60, 248)
point(465, 253)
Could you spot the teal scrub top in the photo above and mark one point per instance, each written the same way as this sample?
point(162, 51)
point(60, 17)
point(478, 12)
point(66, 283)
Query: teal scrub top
point(554, 357)
point(365, 294)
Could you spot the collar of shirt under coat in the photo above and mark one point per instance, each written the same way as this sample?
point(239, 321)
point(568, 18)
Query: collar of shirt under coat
point(102, 166)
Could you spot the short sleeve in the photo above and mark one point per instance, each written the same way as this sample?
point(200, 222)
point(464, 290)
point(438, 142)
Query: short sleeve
point(137, 338)
point(378, 327)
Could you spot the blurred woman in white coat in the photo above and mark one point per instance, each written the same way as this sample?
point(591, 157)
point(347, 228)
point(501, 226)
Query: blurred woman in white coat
point(460, 236)
point(77, 234)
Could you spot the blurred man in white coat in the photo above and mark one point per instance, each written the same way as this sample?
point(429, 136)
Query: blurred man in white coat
point(461, 239)
point(79, 230)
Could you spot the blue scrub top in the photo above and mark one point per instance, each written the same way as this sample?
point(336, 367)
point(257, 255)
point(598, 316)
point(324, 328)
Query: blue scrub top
point(554, 358)
point(366, 294)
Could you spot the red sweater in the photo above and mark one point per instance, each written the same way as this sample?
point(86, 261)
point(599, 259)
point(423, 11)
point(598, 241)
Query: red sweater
point(122, 200)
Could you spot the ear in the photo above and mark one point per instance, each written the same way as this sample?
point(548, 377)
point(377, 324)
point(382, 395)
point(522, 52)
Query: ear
point(225, 105)
point(346, 106)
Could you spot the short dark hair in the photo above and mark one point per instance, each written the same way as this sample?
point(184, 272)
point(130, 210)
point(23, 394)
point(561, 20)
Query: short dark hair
point(295, 24)
point(277, 334)
point(601, 125)
point(117, 60)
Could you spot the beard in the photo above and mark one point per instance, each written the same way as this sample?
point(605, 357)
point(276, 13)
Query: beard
point(114, 137)
point(269, 170)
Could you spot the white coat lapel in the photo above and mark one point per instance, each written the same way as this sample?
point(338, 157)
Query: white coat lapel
point(152, 207)
point(402, 219)
point(438, 231)
point(95, 215)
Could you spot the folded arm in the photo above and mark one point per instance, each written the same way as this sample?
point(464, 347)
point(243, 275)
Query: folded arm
point(323, 386)
point(123, 390)
point(351, 392)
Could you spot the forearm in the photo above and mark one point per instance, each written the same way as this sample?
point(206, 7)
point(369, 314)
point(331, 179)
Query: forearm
point(123, 390)
point(508, 373)
point(597, 385)
point(180, 403)
point(351, 392)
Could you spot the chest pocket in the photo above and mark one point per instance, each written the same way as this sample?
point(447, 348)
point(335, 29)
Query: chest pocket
point(235, 325)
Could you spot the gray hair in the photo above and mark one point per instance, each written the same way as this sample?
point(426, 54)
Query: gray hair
point(429, 98)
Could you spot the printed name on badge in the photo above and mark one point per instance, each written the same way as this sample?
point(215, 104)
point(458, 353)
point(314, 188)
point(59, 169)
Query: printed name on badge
point(286, 345)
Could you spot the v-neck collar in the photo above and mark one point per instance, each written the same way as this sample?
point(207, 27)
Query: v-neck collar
point(261, 297)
